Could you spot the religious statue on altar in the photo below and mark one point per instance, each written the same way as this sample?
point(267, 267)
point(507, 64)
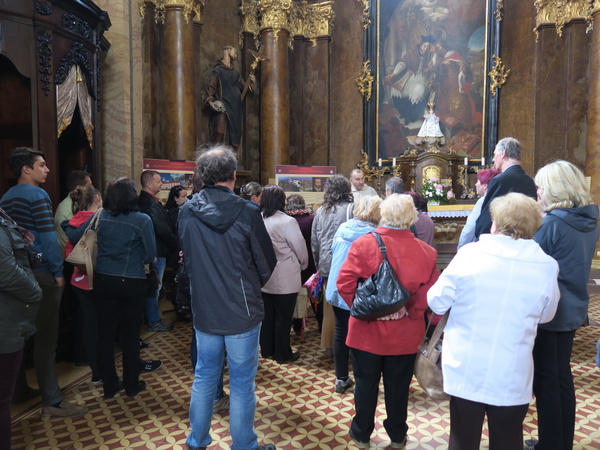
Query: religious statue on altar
point(430, 135)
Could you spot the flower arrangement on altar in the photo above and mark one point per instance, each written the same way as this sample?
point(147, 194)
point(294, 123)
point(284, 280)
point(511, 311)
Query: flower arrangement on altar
point(433, 191)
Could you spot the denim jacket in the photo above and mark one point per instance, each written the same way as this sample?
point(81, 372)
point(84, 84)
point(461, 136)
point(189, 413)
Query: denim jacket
point(125, 243)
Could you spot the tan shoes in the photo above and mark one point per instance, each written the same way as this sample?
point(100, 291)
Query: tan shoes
point(65, 409)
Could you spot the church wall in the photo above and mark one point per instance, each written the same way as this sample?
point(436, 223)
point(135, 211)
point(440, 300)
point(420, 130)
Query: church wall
point(120, 138)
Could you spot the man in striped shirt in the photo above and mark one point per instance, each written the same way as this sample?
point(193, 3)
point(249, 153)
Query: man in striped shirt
point(29, 205)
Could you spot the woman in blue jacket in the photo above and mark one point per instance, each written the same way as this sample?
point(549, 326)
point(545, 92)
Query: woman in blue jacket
point(568, 233)
point(366, 219)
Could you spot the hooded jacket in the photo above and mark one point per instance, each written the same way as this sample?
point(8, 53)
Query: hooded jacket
point(20, 293)
point(569, 235)
point(228, 256)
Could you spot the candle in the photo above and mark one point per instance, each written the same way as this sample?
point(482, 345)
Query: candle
point(466, 161)
point(483, 161)
point(379, 162)
point(394, 162)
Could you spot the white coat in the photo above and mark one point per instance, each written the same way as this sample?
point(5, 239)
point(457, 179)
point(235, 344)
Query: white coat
point(499, 290)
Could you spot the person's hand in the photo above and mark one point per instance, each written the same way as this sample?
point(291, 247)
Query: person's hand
point(389, 79)
point(60, 281)
point(252, 78)
point(181, 257)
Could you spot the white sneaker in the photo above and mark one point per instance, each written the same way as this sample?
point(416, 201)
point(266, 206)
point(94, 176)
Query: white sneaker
point(222, 404)
point(341, 386)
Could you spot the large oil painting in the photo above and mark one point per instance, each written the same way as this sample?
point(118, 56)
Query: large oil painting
point(423, 51)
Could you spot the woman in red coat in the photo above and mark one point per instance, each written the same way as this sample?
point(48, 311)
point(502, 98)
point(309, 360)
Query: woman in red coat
point(389, 344)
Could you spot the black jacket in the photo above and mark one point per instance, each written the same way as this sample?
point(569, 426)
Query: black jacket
point(228, 257)
point(513, 179)
point(569, 235)
point(166, 239)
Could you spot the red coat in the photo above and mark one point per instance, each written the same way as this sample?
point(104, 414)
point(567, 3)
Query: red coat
point(414, 264)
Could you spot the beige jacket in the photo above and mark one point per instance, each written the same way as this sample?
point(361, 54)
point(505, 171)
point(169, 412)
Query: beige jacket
point(290, 249)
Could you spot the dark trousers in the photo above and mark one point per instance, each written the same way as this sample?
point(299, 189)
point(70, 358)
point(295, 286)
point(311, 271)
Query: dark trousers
point(89, 323)
point(397, 373)
point(341, 352)
point(275, 330)
point(10, 364)
point(120, 305)
point(505, 425)
point(554, 390)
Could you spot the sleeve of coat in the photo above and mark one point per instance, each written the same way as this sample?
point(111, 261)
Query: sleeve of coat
point(14, 279)
point(162, 225)
point(314, 239)
point(362, 262)
point(297, 243)
point(261, 247)
point(417, 305)
point(484, 221)
point(442, 294)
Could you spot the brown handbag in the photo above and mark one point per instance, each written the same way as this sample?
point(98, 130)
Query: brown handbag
point(428, 365)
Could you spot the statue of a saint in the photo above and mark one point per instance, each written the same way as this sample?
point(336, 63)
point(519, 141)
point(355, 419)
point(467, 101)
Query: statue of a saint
point(225, 100)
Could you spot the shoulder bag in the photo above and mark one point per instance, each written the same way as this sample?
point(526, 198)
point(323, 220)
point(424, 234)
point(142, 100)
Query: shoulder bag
point(428, 365)
point(83, 255)
point(381, 294)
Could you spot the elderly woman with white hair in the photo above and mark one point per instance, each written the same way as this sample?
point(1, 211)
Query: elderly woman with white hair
point(569, 234)
point(387, 346)
point(498, 291)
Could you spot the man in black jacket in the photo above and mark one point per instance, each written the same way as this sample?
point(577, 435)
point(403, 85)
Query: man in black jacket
point(507, 159)
point(166, 242)
point(228, 256)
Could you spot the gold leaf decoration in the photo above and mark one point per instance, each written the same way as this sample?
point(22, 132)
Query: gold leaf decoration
point(365, 80)
point(498, 75)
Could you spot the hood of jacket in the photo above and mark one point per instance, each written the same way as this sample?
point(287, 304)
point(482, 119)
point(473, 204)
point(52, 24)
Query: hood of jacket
point(214, 207)
point(80, 218)
point(583, 219)
point(353, 229)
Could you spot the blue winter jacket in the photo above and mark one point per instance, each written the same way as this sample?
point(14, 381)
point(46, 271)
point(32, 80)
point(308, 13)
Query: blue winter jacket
point(569, 235)
point(346, 234)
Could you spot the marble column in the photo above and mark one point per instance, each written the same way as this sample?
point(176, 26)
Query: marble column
point(179, 136)
point(592, 160)
point(275, 87)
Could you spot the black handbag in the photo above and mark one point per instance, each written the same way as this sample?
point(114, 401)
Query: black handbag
point(381, 294)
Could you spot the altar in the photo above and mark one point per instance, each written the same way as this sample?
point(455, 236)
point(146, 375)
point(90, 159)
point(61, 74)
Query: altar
point(449, 221)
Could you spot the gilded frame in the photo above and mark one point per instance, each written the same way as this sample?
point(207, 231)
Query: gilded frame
point(460, 40)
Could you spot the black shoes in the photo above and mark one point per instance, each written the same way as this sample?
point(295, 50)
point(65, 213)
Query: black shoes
point(293, 358)
point(150, 366)
point(140, 387)
point(110, 393)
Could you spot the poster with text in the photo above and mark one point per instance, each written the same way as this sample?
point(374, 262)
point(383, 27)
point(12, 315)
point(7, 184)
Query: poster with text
point(172, 173)
point(307, 181)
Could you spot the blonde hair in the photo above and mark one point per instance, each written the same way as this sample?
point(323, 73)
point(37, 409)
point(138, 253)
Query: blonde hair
point(398, 210)
point(564, 186)
point(367, 209)
point(516, 215)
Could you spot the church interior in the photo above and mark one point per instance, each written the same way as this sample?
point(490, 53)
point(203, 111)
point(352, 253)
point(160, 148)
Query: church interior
point(103, 85)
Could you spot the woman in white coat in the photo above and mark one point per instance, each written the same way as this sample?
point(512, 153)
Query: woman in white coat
point(498, 290)
point(281, 291)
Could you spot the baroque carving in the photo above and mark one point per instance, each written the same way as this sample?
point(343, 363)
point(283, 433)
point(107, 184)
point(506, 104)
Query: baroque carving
point(191, 9)
point(275, 14)
point(250, 21)
point(73, 23)
point(43, 7)
point(318, 20)
point(77, 55)
point(365, 80)
point(561, 12)
point(498, 75)
point(498, 11)
point(45, 57)
point(366, 15)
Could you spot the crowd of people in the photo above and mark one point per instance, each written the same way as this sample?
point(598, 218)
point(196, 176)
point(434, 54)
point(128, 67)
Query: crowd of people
point(515, 291)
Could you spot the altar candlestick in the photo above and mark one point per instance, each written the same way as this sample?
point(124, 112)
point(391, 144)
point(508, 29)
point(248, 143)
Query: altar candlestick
point(483, 161)
point(379, 162)
point(394, 162)
point(466, 161)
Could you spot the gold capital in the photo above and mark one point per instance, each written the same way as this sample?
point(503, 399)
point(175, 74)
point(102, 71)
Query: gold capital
point(275, 15)
point(318, 21)
point(191, 8)
point(561, 12)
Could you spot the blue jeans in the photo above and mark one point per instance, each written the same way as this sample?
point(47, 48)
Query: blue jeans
point(152, 311)
point(194, 357)
point(242, 357)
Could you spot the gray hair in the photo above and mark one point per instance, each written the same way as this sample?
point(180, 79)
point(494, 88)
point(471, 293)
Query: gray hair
point(216, 164)
point(295, 201)
point(511, 146)
point(395, 185)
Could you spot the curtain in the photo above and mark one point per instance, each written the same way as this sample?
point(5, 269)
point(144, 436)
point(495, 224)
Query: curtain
point(68, 95)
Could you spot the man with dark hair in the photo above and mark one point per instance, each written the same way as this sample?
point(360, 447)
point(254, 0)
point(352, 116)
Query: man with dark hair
point(507, 159)
point(29, 205)
point(166, 242)
point(394, 185)
point(228, 256)
point(76, 179)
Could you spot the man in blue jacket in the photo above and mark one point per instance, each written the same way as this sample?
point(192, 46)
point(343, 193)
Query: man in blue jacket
point(228, 256)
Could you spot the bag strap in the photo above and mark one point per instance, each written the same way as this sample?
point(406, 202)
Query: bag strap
point(437, 333)
point(95, 222)
point(382, 247)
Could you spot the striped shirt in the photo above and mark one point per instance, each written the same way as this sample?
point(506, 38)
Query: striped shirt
point(31, 208)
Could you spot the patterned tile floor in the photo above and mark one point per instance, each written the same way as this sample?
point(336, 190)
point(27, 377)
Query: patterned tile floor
point(297, 407)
